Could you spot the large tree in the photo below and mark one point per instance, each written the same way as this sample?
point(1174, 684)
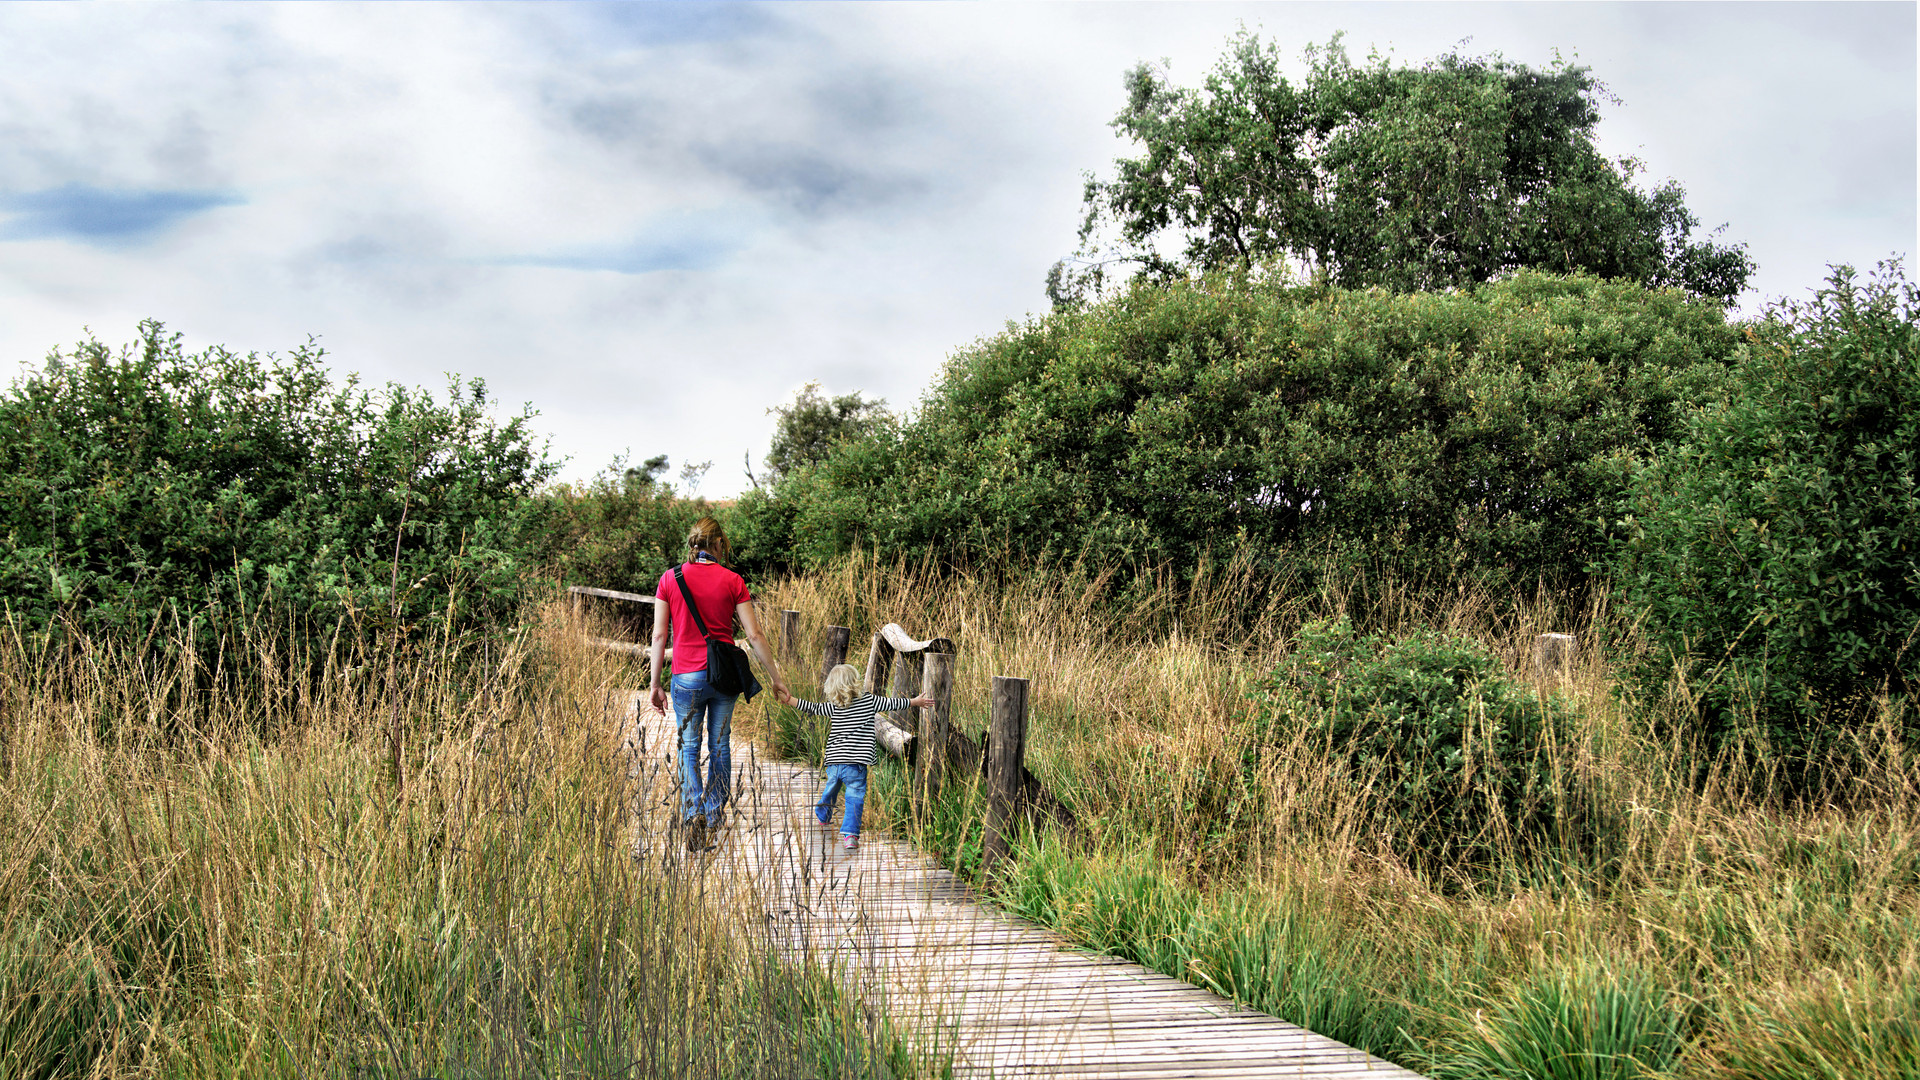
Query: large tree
point(1434, 177)
point(811, 424)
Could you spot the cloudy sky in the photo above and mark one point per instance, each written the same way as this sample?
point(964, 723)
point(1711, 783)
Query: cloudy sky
point(651, 221)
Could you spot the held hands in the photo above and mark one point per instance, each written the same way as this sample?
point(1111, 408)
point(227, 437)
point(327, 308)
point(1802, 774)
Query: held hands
point(782, 694)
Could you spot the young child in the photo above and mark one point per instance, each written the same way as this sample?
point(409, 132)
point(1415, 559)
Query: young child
point(849, 743)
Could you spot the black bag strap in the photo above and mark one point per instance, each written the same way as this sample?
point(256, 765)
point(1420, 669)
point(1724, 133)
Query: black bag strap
point(691, 606)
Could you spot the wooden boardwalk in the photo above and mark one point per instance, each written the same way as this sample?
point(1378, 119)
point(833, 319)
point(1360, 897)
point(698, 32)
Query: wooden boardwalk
point(1006, 998)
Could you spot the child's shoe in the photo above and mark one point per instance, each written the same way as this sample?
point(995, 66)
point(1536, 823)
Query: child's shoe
point(851, 843)
point(824, 817)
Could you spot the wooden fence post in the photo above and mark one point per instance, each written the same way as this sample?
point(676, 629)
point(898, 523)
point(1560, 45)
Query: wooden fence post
point(879, 661)
point(578, 603)
point(835, 653)
point(789, 635)
point(936, 682)
point(1553, 656)
point(1006, 753)
point(906, 684)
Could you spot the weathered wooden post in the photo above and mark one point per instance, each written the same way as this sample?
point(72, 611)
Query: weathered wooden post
point(835, 653)
point(936, 682)
point(1006, 753)
point(577, 600)
point(906, 683)
point(789, 635)
point(1553, 656)
point(879, 661)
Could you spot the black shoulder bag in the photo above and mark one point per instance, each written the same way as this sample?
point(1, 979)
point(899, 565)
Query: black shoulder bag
point(728, 670)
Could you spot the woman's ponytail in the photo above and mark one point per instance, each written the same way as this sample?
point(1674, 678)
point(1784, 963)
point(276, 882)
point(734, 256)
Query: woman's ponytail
point(707, 535)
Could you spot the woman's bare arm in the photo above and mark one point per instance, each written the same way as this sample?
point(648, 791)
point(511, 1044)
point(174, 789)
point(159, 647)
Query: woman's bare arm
point(752, 626)
point(656, 655)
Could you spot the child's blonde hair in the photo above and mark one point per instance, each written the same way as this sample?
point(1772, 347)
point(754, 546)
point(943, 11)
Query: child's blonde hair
point(843, 684)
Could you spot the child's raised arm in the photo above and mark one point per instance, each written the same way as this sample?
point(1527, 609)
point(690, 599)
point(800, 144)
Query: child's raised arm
point(814, 707)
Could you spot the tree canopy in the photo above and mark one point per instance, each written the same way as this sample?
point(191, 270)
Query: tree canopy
point(810, 425)
point(1435, 177)
point(1477, 433)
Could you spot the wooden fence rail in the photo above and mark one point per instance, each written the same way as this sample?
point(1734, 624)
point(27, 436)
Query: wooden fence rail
point(931, 743)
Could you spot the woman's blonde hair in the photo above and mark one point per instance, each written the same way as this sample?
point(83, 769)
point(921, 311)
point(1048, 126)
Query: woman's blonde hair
point(843, 684)
point(707, 535)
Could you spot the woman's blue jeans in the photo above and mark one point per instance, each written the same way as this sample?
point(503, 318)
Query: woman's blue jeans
point(854, 779)
point(696, 709)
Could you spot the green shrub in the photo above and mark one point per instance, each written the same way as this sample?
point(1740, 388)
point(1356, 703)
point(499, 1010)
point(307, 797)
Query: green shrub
point(1774, 555)
point(1460, 760)
point(1579, 1023)
point(620, 530)
point(1470, 434)
point(154, 484)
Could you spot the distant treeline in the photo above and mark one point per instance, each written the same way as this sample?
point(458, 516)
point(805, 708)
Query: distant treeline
point(1479, 432)
point(1747, 490)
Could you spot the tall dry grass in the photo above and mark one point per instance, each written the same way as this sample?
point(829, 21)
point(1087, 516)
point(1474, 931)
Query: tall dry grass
point(217, 870)
point(1716, 928)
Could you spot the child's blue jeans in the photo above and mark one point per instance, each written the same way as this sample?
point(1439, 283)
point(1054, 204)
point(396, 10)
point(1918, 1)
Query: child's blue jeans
point(854, 779)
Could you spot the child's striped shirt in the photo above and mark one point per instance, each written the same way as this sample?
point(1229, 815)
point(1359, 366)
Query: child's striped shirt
point(850, 735)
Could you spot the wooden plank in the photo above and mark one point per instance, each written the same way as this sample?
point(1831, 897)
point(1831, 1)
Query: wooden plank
point(1006, 998)
point(608, 594)
point(903, 642)
point(627, 647)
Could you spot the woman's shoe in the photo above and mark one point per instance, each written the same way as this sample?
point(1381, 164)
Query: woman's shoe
point(697, 833)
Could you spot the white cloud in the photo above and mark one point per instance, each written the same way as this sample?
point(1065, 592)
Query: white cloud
point(653, 220)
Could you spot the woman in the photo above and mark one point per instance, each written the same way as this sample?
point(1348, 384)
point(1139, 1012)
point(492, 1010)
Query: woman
point(721, 595)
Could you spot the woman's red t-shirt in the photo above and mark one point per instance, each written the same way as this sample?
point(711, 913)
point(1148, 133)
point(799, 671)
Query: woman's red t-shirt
point(718, 591)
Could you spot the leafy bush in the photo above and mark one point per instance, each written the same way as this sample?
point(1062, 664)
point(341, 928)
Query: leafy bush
point(1459, 758)
point(1775, 554)
point(159, 484)
point(1435, 435)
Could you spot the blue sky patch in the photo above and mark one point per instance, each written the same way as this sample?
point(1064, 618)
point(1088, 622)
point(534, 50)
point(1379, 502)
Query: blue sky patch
point(101, 216)
point(672, 242)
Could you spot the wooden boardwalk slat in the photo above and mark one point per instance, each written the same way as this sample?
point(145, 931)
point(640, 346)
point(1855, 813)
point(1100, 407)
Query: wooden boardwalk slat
point(1007, 998)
